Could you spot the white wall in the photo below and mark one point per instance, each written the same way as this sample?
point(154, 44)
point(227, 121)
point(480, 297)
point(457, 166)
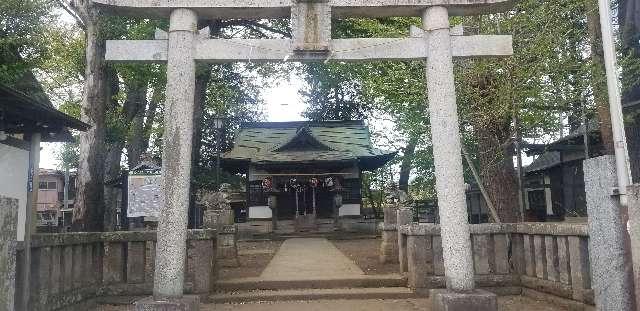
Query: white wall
point(350, 210)
point(259, 212)
point(14, 168)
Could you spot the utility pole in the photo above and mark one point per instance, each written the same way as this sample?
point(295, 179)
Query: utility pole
point(615, 102)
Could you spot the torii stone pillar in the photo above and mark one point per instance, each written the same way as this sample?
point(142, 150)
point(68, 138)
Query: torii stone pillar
point(168, 281)
point(445, 133)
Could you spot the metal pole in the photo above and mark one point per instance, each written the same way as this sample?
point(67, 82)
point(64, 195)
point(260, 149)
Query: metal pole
point(518, 144)
point(585, 136)
point(218, 136)
point(615, 102)
point(66, 188)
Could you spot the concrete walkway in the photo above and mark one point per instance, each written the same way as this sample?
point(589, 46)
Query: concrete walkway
point(310, 259)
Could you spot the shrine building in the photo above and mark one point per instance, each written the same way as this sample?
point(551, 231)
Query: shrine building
point(307, 170)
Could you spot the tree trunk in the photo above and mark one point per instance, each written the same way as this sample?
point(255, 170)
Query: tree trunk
point(156, 98)
point(203, 77)
point(598, 81)
point(135, 108)
point(89, 204)
point(498, 173)
point(112, 173)
point(405, 167)
point(496, 151)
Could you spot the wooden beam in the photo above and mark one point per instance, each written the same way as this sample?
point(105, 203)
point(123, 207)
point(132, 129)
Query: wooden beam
point(269, 50)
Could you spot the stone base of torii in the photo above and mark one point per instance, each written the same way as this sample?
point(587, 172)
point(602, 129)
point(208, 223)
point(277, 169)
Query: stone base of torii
point(311, 40)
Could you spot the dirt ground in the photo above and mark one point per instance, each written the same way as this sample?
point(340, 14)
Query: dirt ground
point(253, 257)
point(365, 253)
point(510, 303)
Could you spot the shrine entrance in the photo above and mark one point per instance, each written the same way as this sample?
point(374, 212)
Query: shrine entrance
point(311, 40)
point(309, 197)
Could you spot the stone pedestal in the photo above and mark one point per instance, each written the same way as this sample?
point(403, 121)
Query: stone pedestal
point(337, 204)
point(389, 245)
point(186, 303)
point(222, 220)
point(390, 215)
point(404, 217)
point(305, 223)
point(213, 219)
point(8, 227)
point(272, 201)
point(418, 253)
point(608, 253)
point(226, 217)
point(228, 246)
point(477, 300)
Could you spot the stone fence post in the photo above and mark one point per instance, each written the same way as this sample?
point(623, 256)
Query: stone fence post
point(222, 220)
point(634, 233)
point(610, 265)
point(419, 253)
point(389, 245)
point(404, 216)
point(8, 227)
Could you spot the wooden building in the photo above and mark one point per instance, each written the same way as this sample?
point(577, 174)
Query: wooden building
point(554, 183)
point(27, 118)
point(304, 170)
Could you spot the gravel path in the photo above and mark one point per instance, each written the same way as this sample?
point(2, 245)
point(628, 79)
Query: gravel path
point(310, 258)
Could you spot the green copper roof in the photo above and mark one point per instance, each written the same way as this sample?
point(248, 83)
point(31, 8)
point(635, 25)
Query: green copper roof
point(307, 142)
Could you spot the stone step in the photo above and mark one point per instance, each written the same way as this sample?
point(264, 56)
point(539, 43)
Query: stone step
point(313, 294)
point(366, 281)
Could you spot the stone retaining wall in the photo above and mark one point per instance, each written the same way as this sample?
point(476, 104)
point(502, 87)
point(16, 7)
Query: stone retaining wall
point(508, 258)
point(70, 271)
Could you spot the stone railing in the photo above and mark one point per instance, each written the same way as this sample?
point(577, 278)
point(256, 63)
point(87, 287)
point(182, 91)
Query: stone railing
point(533, 258)
point(72, 271)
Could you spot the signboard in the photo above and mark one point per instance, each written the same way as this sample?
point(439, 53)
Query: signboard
point(145, 196)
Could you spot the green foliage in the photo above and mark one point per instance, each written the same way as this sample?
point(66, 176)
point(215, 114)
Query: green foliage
point(550, 77)
point(23, 37)
point(233, 93)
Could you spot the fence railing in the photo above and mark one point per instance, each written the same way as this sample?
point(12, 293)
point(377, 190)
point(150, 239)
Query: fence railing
point(508, 258)
point(74, 269)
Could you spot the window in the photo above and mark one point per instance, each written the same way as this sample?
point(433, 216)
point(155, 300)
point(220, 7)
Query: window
point(48, 185)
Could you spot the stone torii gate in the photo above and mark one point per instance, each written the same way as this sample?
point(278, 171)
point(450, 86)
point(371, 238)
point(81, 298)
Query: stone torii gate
point(183, 46)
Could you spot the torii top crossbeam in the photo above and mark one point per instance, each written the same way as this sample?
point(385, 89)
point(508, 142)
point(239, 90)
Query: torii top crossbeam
point(256, 9)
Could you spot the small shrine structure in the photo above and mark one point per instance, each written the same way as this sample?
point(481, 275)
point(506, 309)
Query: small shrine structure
point(303, 171)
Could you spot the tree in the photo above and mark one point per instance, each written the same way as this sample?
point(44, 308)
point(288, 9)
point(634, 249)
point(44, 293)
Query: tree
point(89, 204)
point(23, 38)
point(558, 81)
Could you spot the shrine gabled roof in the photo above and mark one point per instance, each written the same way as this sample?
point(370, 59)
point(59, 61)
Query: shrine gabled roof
point(307, 142)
